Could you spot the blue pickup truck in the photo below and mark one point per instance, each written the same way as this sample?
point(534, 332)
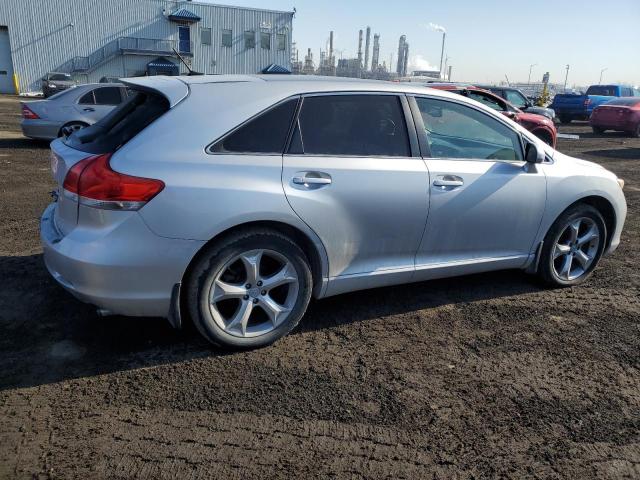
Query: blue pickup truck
point(570, 106)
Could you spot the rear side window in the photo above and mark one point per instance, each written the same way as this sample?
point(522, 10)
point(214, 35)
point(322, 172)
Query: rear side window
point(267, 133)
point(87, 99)
point(120, 125)
point(607, 91)
point(107, 96)
point(354, 125)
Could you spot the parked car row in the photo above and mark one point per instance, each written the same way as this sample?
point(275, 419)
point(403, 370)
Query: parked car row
point(572, 106)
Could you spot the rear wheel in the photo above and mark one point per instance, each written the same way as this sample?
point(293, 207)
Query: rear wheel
point(598, 130)
point(573, 246)
point(565, 119)
point(635, 133)
point(71, 127)
point(249, 290)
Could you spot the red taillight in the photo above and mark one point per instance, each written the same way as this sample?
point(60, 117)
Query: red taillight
point(28, 113)
point(97, 185)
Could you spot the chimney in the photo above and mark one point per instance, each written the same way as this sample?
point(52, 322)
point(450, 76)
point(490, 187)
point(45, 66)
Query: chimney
point(360, 48)
point(331, 62)
point(366, 49)
point(375, 58)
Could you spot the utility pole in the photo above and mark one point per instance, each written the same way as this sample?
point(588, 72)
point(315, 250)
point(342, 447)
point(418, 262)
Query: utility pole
point(601, 72)
point(530, 68)
point(566, 76)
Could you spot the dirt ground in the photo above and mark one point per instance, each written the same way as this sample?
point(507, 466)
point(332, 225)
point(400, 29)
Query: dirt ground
point(486, 376)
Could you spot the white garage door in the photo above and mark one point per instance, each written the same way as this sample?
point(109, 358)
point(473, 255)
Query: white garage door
point(6, 66)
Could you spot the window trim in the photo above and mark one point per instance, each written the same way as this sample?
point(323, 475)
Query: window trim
point(424, 146)
point(208, 149)
point(414, 151)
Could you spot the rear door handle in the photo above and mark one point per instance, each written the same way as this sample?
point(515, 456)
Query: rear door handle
point(448, 181)
point(307, 179)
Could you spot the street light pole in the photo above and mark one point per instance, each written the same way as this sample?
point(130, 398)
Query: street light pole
point(601, 72)
point(531, 68)
point(565, 79)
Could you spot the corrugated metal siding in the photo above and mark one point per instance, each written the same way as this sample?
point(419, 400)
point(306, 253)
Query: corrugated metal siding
point(45, 35)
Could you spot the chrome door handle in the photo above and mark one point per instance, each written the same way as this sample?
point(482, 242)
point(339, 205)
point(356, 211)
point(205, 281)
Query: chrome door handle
point(306, 180)
point(448, 181)
point(89, 109)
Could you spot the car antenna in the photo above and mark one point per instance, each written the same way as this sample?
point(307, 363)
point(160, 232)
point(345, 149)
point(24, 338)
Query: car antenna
point(191, 72)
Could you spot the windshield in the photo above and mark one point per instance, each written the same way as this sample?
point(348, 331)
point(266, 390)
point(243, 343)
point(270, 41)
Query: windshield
point(604, 90)
point(60, 76)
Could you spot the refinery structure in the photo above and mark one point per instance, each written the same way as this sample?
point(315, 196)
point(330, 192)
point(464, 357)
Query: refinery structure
point(366, 64)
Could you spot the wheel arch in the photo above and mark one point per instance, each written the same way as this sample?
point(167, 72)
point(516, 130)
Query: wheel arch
point(312, 248)
point(604, 206)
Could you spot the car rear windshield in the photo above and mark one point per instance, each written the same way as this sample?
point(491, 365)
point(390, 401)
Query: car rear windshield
point(61, 94)
point(59, 76)
point(121, 124)
point(624, 102)
point(607, 91)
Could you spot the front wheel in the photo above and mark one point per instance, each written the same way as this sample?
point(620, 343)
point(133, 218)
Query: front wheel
point(70, 128)
point(249, 290)
point(573, 246)
point(598, 130)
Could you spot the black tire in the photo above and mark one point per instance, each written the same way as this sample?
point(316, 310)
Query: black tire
point(214, 259)
point(635, 133)
point(565, 119)
point(546, 138)
point(598, 130)
point(70, 127)
point(546, 269)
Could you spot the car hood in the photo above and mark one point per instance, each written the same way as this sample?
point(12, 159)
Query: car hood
point(578, 163)
point(534, 119)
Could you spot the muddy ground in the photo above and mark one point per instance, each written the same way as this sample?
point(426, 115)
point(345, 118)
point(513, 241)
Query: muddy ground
point(487, 376)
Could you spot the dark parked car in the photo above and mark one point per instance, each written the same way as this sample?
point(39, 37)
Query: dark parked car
point(518, 99)
point(54, 82)
point(621, 114)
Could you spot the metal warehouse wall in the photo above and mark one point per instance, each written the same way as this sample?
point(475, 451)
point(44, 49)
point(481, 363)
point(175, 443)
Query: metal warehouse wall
point(46, 34)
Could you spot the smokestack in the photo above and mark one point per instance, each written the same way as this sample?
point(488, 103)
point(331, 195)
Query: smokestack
point(405, 61)
point(331, 62)
point(366, 49)
point(444, 34)
point(449, 74)
point(360, 48)
point(401, 43)
point(375, 58)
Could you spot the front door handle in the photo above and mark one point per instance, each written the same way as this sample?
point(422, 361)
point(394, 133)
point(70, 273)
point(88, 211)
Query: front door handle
point(448, 181)
point(312, 178)
point(89, 109)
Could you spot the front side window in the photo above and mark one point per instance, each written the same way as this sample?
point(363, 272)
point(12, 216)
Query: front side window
point(249, 39)
point(227, 36)
point(281, 39)
point(107, 96)
point(516, 99)
point(267, 133)
point(87, 99)
point(265, 40)
point(458, 131)
point(205, 36)
point(354, 125)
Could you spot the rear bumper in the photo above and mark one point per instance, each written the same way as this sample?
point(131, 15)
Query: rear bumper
point(125, 269)
point(609, 125)
point(40, 129)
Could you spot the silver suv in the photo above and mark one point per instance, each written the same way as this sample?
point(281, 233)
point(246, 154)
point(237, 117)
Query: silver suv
point(235, 199)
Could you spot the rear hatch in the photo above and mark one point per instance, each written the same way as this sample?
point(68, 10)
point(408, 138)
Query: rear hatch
point(144, 105)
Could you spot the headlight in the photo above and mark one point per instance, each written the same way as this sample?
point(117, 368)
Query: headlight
point(620, 182)
point(53, 86)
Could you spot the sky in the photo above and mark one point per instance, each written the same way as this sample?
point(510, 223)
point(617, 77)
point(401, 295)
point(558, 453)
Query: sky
point(484, 40)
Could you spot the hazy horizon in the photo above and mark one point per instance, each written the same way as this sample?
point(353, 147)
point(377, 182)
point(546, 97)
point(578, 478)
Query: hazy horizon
point(485, 42)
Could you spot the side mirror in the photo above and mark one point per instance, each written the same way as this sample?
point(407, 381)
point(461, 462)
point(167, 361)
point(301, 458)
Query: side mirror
point(533, 154)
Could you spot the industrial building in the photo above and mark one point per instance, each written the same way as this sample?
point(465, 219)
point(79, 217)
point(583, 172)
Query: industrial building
point(91, 39)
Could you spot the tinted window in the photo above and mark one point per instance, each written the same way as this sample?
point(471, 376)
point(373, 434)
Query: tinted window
point(120, 125)
point(266, 133)
point(61, 94)
point(227, 36)
point(107, 96)
point(205, 36)
point(361, 125)
point(87, 99)
point(282, 41)
point(607, 91)
point(265, 40)
point(249, 39)
point(487, 100)
point(516, 98)
point(458, 131)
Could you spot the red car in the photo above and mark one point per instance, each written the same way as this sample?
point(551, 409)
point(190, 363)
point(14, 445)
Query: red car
point(621, 114)
point(541, 126)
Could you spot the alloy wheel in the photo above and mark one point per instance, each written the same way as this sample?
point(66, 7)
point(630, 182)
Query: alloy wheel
point(253, 293)
point(575, 248)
